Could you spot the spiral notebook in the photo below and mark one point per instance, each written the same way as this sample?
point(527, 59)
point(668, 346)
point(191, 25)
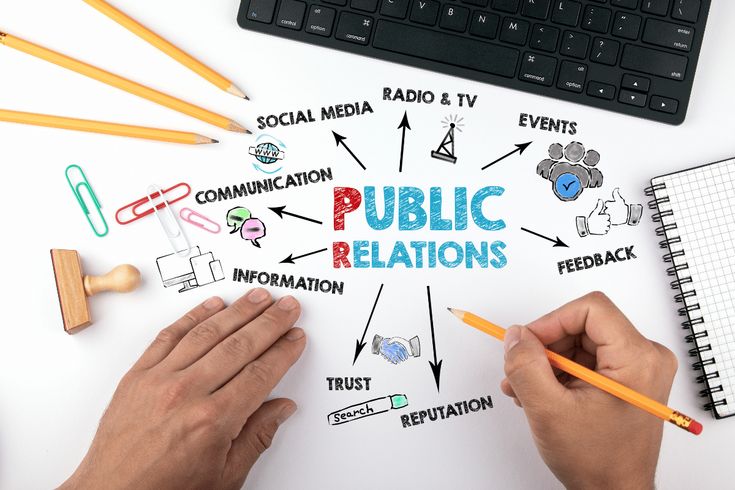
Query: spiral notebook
point(696, 211)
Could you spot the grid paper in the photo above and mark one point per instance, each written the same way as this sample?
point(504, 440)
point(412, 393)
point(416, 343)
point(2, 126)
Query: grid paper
point(703, 204)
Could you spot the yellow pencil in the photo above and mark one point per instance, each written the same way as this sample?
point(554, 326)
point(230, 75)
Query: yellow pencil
point(104, 128)
point(181, 56)
point(121, 83)
point(595, 379)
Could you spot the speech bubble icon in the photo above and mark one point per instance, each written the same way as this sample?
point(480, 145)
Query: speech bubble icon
point(253, 229)
point(236, 217)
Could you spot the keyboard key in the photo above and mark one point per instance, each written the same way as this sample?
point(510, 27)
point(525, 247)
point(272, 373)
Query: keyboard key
point(635, 83)
point(394, 8)
point(687, 10)
point(656, 7)
point(510, 6)
point(484, 24)
point(596, 19)
point(425, 12)
point(538, 9)
point(262, 10)
point(628, 4)
point(320, 21)
point(572, 76)
point(605, 51)
point(626, 25)
point(446, 48)
point(575, 44)
point(633, 98)
point(354, 28)
point(341, 3)
point(537, 68)
point(566, 12)
point(514, 31)
point(654, 62)
point(291, 14)
point(544, 38)
point(601, 90)
point(365, 5)
point(476, 3)
point(664, 104)
point(454, 18)
point(668, 35)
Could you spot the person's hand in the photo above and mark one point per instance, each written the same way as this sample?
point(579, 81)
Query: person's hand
point(191, 413)
point(588, 438)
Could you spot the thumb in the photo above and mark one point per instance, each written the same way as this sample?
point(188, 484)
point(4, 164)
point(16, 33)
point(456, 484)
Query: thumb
point(254, 439)
point(599, 208)
point(528, 370)
point(617, 196)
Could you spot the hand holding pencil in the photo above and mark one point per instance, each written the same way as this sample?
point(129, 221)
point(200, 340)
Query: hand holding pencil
point(587, 437)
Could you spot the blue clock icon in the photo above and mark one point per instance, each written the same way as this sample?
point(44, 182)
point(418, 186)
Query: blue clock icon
point(567, 187)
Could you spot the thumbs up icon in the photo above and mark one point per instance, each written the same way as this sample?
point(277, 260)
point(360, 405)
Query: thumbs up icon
point(609, 213)
point(597, 223)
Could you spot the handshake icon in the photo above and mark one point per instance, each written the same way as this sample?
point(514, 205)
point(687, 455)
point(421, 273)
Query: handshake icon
point(609, 213)
point(396, 350)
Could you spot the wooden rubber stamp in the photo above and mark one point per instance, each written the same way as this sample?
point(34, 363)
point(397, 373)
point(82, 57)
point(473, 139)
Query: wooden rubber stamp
point(74, 287)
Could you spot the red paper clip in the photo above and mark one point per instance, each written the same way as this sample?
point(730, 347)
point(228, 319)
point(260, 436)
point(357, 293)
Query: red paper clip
point(199, 220)
point(179, 192)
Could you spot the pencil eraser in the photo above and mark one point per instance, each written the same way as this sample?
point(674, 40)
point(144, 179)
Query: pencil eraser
point(695, 428)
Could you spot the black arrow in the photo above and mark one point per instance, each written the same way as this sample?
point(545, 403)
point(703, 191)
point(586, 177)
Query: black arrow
point(290, 259)
point(281, 210)
point(404, 126)
point(557, 242)
point(361, 343)
point(520, 147)
point(436, 367)
point(341, 141)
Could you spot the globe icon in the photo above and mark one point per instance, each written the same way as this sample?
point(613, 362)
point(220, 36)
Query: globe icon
point(266, 153)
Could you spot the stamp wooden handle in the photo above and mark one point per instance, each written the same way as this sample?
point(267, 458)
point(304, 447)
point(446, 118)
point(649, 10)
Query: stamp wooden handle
point(122, 279)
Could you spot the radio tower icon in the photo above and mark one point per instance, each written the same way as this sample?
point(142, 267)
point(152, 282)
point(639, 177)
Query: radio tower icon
point(446, 148)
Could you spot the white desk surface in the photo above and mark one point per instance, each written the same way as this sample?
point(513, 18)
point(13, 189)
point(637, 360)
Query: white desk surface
point(54, 387)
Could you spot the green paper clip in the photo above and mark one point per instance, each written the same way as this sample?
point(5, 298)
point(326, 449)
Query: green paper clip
point(83, 183)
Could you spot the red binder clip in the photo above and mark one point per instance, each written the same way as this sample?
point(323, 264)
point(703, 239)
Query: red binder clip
point(132, 212)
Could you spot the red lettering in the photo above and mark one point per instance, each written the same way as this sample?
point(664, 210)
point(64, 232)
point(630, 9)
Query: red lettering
point(340, 251)
point(346, 200)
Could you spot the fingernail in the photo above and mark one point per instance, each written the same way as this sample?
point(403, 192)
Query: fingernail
point(212, 303)
point(258, 295)
point(512, 337)
point(286, 413)
point(295, 334)
point(288, 303)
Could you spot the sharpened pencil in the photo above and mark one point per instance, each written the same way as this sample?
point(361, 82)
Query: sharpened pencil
point(105, 128)
point(121, 83)
point(595, 379)
point(174, 52)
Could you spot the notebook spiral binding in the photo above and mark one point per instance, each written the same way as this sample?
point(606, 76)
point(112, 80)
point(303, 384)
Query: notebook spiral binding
point(678, 268)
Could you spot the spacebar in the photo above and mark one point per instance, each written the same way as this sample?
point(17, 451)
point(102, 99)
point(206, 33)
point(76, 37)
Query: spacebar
point(446, 48)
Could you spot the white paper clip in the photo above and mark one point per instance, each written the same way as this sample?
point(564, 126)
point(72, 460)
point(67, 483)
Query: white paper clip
point(169, 223)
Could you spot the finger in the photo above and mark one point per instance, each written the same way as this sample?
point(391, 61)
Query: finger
point(255, 438)
point(240, 397)
point(203, 337)
point(170, 336)
point(507, 389)
point(599, 208)
point(529, 372)
point(594, 315)
point(227, 358)
point(617, 196)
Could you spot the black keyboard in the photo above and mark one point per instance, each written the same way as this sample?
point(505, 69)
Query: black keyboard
point(637, 57)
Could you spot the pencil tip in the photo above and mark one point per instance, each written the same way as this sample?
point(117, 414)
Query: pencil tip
point(238, 128)
point(215, 141)
point(450, 310)
point(237, 92)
